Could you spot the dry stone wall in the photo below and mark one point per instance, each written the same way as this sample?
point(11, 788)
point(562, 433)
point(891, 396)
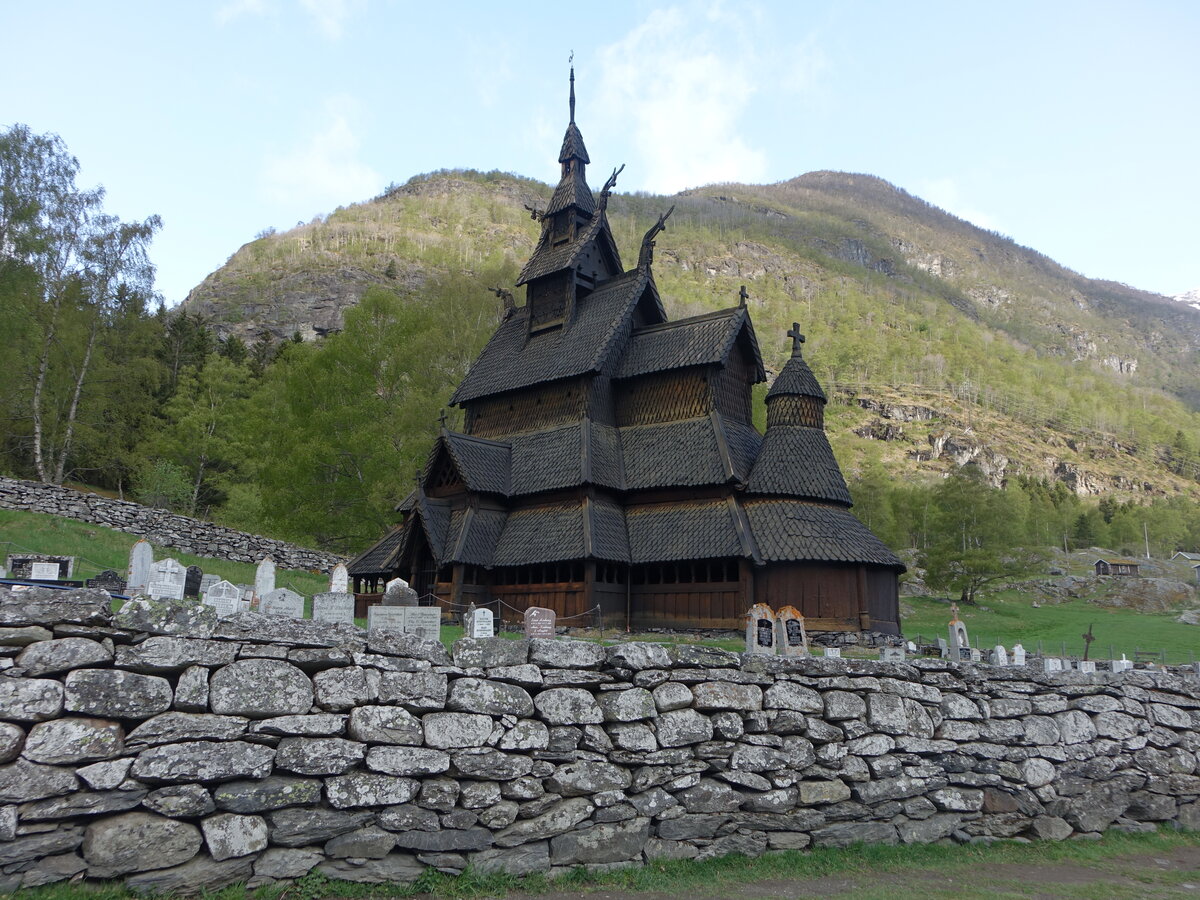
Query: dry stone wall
point(177, 752)
point(160, 527)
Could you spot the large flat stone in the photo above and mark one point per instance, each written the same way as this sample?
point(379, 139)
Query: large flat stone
point(203, 761)
point(138, 842)
point(304, 827)
point(30, 699)
point(260, 689)
point(163, 653)
point(198, 875)
point(272, 792)
point(368, 789)
point(116, 694)
point(175, 727)
point(229, 835)
point(62, 655)
point(605, 843)
point(48, 607)
point(387, 725)
point(72, 741)
point(170, 617)
point(493, 698)
point(22, 781)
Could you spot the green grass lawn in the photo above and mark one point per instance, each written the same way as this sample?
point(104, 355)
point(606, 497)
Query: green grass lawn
point(1010, 617)
point(96, 548)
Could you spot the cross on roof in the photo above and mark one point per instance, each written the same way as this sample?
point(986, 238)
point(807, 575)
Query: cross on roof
point(442, 417)
point(797, 338)
point(743, 296)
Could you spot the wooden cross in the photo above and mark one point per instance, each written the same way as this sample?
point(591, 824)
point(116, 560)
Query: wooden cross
point(442, 417)
point(1087, 641)
point(743, 296)
point(953, 612)
point(797, 338)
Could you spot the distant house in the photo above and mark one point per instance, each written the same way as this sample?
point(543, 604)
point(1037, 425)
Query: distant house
point(1187, 557)
point(1196, 569)
point(1116, 565)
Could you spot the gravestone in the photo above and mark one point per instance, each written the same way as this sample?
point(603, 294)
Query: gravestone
point(1122, 664)
point(398, 593)
point(833, 652)
point(481, 623)
point(339, 579)
point(166, 579)
point(1018, 655)
point(333, 606)
point(1087, 666)
point(423, 621)
point(141, 557)
point(43, 571)
point(207, 581)
point(760, 629)
point(264, 577)
point(999, 656)
point(910, 646)
point(960, 644)
point(974, 655)
point(107, 580)
point(943, 648)
point(395, 617)
point(223, 597)
point(891, 655)
point(282, 602)
point(247, 591)
point(191, 584)
point(539, 622)
point(790, 636)
point(1050, 664)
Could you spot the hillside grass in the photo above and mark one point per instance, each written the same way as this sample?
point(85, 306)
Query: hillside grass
point(97, 548)
point(1118, 863)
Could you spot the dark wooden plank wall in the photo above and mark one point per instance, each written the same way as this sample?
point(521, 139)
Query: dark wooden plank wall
point(696, 605)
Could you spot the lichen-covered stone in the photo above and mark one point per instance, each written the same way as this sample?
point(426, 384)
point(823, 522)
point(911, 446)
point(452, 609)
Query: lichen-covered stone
point(22, 781)
point(198, 875)
point(104, 776)
point(631, 705)
point(137, 842)
point(369, 789)
point(62, 655)
point(453, 730)
point(485, 653)
point(48, 607)
point(386, 725)
point(191, 691)
point(713, 695)
point(346, 687)
point(682, 727)
point(319, 756)
point(116, 694)
point(272, 792)
point(407, 761)
point(260, 689)
point(484, 762)
point(604, 843)
point(198, 761)
point(527, 734)
point(185, 618)
point(180, 801)
point(163, 653)
point(175, 727)
point(66, 741)
point(415, 691)
point(638, 656)
point(568, 706)
point(30, 700)
point(475, 695)
point(554, 654)
point(561, 817)
point(229, 835)
point(587, 777)
point(303, 827)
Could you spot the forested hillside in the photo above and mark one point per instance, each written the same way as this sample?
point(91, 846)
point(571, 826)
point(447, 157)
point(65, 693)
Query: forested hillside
point(298, 389)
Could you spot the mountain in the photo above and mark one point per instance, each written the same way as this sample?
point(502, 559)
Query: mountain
point(939, 343)
point(1191, 298)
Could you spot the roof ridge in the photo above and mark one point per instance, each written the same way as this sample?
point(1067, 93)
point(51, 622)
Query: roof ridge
point(477, 439)
point(676, 323)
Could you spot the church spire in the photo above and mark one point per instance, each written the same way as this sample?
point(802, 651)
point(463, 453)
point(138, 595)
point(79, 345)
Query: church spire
point(572, 190)
point(572, 94)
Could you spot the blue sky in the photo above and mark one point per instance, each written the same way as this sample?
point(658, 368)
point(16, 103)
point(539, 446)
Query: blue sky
point(1072, 127)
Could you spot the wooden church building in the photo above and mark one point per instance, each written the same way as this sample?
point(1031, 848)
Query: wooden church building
point(608, 459)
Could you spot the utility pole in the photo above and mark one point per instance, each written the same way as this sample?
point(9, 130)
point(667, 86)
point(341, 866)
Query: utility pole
point(1146, 534)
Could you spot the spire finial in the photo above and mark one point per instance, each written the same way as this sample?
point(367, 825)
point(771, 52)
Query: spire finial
point(797, 338)
point(571, 61)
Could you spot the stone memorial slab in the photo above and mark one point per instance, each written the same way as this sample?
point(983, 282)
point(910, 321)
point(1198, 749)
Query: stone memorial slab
point(1087, 666)
point(539, 622)
point(423, 621)
point(1122, 664)
point(264, 577)
point(282, 602)
point(339, 579)
point(398, 593)
point(1018, 655)
point(790, 636)
point(333, 606)
point(247, 591)
point(959, 642)
point(974, 655)
point(380, 616)
point(108, 580)
point(207, 581)
point(141, 557)
point(891, 655)
point(999, 656)
point(482, 623)
point(166, 579)
point(1050, 664)
point(833, 652)
point(43, 571)
point(943, 648)
point(191, 583)
point(223, 597)
point(760, 629)
point(910, 646)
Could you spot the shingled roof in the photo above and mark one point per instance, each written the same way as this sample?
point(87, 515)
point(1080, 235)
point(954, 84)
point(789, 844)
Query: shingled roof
point(669, 454)
point(562, 531)
point(796, 461)
point(512, 359)
point(472, 535)
point(483, 465)
point(667, 532)
point(796, 378)
point(378, 558)
point(700, 340)
point(792, 530)
point(573, 190)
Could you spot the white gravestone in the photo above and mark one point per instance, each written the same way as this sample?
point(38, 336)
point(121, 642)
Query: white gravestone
point(760, 630)
point(207, 580)
point(166, 580)
point(1087, 666)
point(264, 577)
point(339, 579)
point(394, 617)
point(1018, 655)
point(482, 624)
point(833, 652)
point(398, 593)
point(790, 635)
point(282, 602)
point(1122, 664)
point(539, 622)
point(891, 655)
point(333, 606)
point(141, 556)
point(943, 648)
point(999, 656)
point(43, 571)
point(223, 597)
point(1050, 664)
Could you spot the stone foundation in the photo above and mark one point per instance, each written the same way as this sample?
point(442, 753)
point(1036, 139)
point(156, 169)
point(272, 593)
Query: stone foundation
point(176, 752)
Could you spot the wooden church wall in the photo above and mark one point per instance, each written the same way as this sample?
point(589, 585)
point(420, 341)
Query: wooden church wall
point(827, 596)
point(561, 403)
point(663, 397)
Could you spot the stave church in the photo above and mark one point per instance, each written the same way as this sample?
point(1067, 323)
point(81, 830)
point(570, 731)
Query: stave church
point(608, 459)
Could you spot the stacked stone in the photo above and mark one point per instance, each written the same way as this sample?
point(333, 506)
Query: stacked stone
point(165, 529)
point(179, 752)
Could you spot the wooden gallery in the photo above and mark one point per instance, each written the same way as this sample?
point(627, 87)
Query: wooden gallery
point(608, 459)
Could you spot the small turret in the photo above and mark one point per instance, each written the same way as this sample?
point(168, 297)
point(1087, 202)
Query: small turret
point(796, 398)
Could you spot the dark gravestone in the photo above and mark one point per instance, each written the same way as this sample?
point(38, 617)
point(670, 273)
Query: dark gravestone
point(108, 580)
point(539, 622)
point(191, 582)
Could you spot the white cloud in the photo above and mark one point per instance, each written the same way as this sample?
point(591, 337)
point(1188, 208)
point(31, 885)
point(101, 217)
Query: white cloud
point(235, 9)
point(946, 193)
point(680, 82)
point(329, 16)
point(324, 171)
